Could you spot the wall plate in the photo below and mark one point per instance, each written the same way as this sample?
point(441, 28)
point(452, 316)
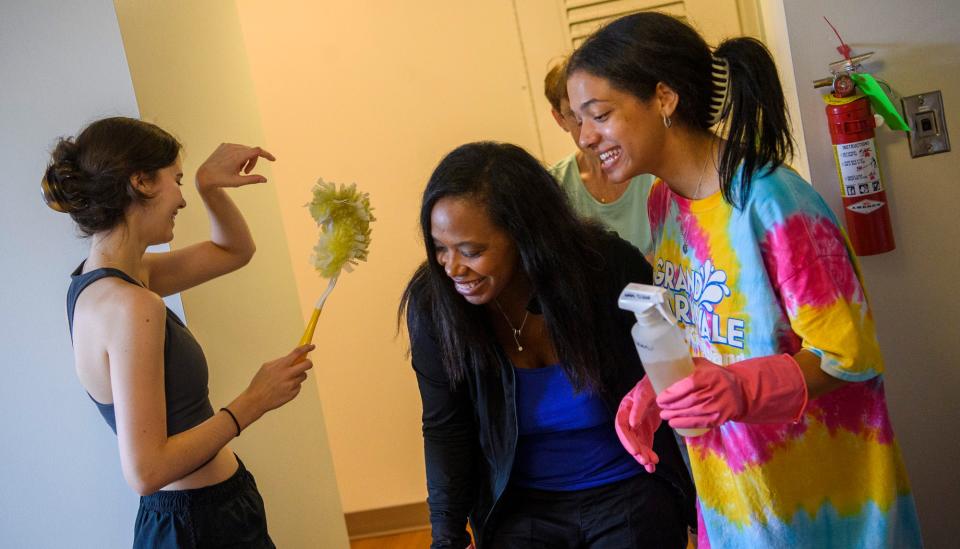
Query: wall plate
point(928, 125)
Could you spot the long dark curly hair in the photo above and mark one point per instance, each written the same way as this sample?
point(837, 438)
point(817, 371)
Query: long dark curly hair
point(559, 252)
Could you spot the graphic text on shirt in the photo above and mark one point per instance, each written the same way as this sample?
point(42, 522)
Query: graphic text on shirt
point(696, 296)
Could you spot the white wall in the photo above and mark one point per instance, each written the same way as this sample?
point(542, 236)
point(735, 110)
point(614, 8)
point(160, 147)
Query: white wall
point(63, 65)
point(912, 289)
point(775, 37)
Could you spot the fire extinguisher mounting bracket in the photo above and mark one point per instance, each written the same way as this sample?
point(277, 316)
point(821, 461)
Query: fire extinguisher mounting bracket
point(928, 124)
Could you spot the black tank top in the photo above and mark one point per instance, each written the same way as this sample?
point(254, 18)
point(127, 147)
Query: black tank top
point(184, 366)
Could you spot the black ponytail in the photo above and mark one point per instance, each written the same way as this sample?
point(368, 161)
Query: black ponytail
point(754, 119)
point(637, 51)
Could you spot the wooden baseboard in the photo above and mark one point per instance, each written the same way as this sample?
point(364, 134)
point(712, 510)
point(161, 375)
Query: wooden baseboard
point(388, 520)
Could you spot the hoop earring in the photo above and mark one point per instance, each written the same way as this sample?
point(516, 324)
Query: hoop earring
point(667, 122)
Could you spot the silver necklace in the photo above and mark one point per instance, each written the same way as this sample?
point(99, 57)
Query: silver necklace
point(696, 193)
point(703, 170)
point(516, 331)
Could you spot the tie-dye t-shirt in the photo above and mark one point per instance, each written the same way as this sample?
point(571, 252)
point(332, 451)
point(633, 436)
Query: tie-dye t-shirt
point(778, 276)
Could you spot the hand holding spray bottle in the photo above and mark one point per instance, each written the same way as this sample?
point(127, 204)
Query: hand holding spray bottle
point(659, 341)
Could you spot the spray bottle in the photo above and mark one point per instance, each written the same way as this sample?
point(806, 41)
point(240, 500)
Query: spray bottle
point(659, 341)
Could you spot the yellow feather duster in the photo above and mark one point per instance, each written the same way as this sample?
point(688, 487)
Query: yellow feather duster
point(343, 215)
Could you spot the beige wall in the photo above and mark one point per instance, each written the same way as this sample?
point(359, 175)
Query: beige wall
point(375, 93)
point(191, 76)
point(913, 289)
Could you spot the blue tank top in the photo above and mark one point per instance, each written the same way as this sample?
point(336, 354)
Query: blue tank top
point(566, 440)
point(184, 365)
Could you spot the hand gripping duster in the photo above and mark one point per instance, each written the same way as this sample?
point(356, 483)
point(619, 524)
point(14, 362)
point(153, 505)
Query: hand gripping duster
point(344, 217)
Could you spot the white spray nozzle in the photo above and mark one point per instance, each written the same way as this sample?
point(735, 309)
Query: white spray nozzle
point(639, 298)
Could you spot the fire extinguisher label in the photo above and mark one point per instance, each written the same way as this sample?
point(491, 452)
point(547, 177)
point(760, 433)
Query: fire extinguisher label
point(858, 168)
point(865, 206)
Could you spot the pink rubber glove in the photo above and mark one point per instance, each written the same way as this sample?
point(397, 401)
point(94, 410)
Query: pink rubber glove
point(769, 389)
point(637, 420)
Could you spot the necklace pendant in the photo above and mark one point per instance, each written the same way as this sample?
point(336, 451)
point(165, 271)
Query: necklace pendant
point(516, 339)
point(516, 331)
point(685, 248)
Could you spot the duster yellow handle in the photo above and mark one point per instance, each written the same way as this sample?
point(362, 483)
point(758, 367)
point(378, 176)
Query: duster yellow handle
point(312, 325)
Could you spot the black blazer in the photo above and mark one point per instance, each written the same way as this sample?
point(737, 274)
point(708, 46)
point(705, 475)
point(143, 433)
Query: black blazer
point(470, 433)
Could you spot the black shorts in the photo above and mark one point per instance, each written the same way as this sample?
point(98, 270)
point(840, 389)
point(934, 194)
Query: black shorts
point(228, 514)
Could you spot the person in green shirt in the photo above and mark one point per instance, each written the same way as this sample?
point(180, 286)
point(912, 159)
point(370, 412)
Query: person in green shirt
point(620, 206)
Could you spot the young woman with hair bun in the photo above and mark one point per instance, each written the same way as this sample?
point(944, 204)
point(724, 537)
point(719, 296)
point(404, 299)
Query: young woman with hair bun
point(119, 180)
point(789, 376)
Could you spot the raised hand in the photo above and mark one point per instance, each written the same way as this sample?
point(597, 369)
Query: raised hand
point(230, 166)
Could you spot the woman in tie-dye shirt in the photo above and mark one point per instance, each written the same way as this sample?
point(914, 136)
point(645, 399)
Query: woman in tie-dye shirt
point(789, 376)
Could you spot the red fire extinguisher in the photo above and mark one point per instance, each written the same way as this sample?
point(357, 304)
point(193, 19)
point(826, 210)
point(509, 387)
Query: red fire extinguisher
point(865, 206)
point(851, 122)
